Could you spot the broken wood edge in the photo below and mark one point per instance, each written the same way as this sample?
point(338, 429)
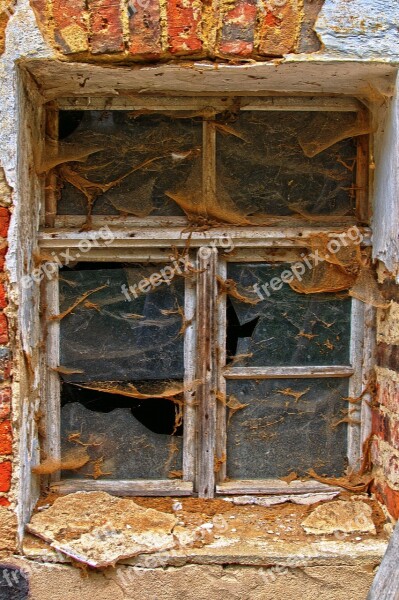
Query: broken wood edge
point(274, 487)
point(121, 487)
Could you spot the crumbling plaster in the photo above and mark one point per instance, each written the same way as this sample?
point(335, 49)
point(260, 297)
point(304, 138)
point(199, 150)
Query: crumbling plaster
point(199, 582)
point(367, 29)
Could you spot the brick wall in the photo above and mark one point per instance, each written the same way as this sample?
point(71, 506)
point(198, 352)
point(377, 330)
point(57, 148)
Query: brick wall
point(385, 445)
point(164, 29)
point(5, 383)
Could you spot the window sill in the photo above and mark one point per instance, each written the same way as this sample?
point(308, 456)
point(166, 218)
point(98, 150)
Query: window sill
point(244, 535)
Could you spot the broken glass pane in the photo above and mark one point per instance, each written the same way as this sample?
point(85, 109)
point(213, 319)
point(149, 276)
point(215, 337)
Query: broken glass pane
point(117, 444)
point(262, 167)
point(286, 425)
point(108, 336)
point(139, 157)
point(285, 328)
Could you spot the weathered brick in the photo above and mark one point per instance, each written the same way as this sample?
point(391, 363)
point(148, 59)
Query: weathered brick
point(3, 295)
point(145, 28)
point(4, 221)
point(308, 40)
point(5, 403)
point(5, 438)
point(5, 364)
point(279, 27)
point(384, 456)
point(3, 252)
point(106, 29)
point(5, 476)
point(3, 329)
point(238, 31)
point(388, 394)
point(4, 501)
point(387, 496)
point(70, 27)
point(184, 19)
point(388, 356)
point(386, 427)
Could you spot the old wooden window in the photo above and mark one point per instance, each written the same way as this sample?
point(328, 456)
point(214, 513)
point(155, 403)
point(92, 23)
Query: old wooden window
point(174, 364)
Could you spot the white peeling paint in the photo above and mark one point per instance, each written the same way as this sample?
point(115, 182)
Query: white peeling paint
point(386, 194)
point(23, 39)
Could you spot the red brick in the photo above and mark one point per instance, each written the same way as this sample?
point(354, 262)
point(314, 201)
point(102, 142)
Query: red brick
point(279, 29)
point(4, 221)
point(239, 29)
point(70, 28)
point(40, 10)
point(388, 394)
point(106, 29)
point(4, 501)
point(184, 20)
point(5, 438)
point(145, 28)
point(387, 496)
point(386, 427)
point(5, 476)
point(3, 252)
point(3, 296)
point(5, 403)
point(3, 329)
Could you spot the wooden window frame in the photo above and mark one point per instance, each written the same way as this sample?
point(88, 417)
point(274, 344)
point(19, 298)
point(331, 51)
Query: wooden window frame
point(138, 240)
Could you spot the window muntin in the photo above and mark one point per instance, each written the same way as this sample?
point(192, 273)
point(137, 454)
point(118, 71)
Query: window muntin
point(204, 455)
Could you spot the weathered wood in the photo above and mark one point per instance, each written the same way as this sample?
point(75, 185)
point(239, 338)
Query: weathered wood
point(145, 237)
point(386, 583)
point(77, 221)
point(272, 487)
point(179, 103)
point(286, 372)
point(362, 179)
point(52, 438)
point(206, 370)
point(142, 487)
point(355, 383)
point(51, 178)
point(221, 424)
point(209, 163)
point(190, 412)
point(369, 360)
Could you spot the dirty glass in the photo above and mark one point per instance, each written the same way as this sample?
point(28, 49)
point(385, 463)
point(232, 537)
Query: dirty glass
point(264, 169)
point(285, 328)
point(286, 425)
point(118, 445)
point(134, 159)
point(122, 371)
point(110, 337)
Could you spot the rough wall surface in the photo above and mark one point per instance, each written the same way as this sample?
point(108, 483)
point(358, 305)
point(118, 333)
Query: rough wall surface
point(197, 582)
point(148, 31)
point(385, 446)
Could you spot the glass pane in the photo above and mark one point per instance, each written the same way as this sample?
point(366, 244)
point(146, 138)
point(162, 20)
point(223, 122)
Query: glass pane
point(122, 372)
point(286, 425)
point(263, 169)
point(138, 159)
point(285, 328)
point(124, 438)
point(109, 338)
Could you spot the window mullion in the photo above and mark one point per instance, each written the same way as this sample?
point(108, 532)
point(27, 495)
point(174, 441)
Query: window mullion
point(206, 370)
point(209, 164)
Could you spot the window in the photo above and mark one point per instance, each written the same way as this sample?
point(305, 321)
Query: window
point(200, 336)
